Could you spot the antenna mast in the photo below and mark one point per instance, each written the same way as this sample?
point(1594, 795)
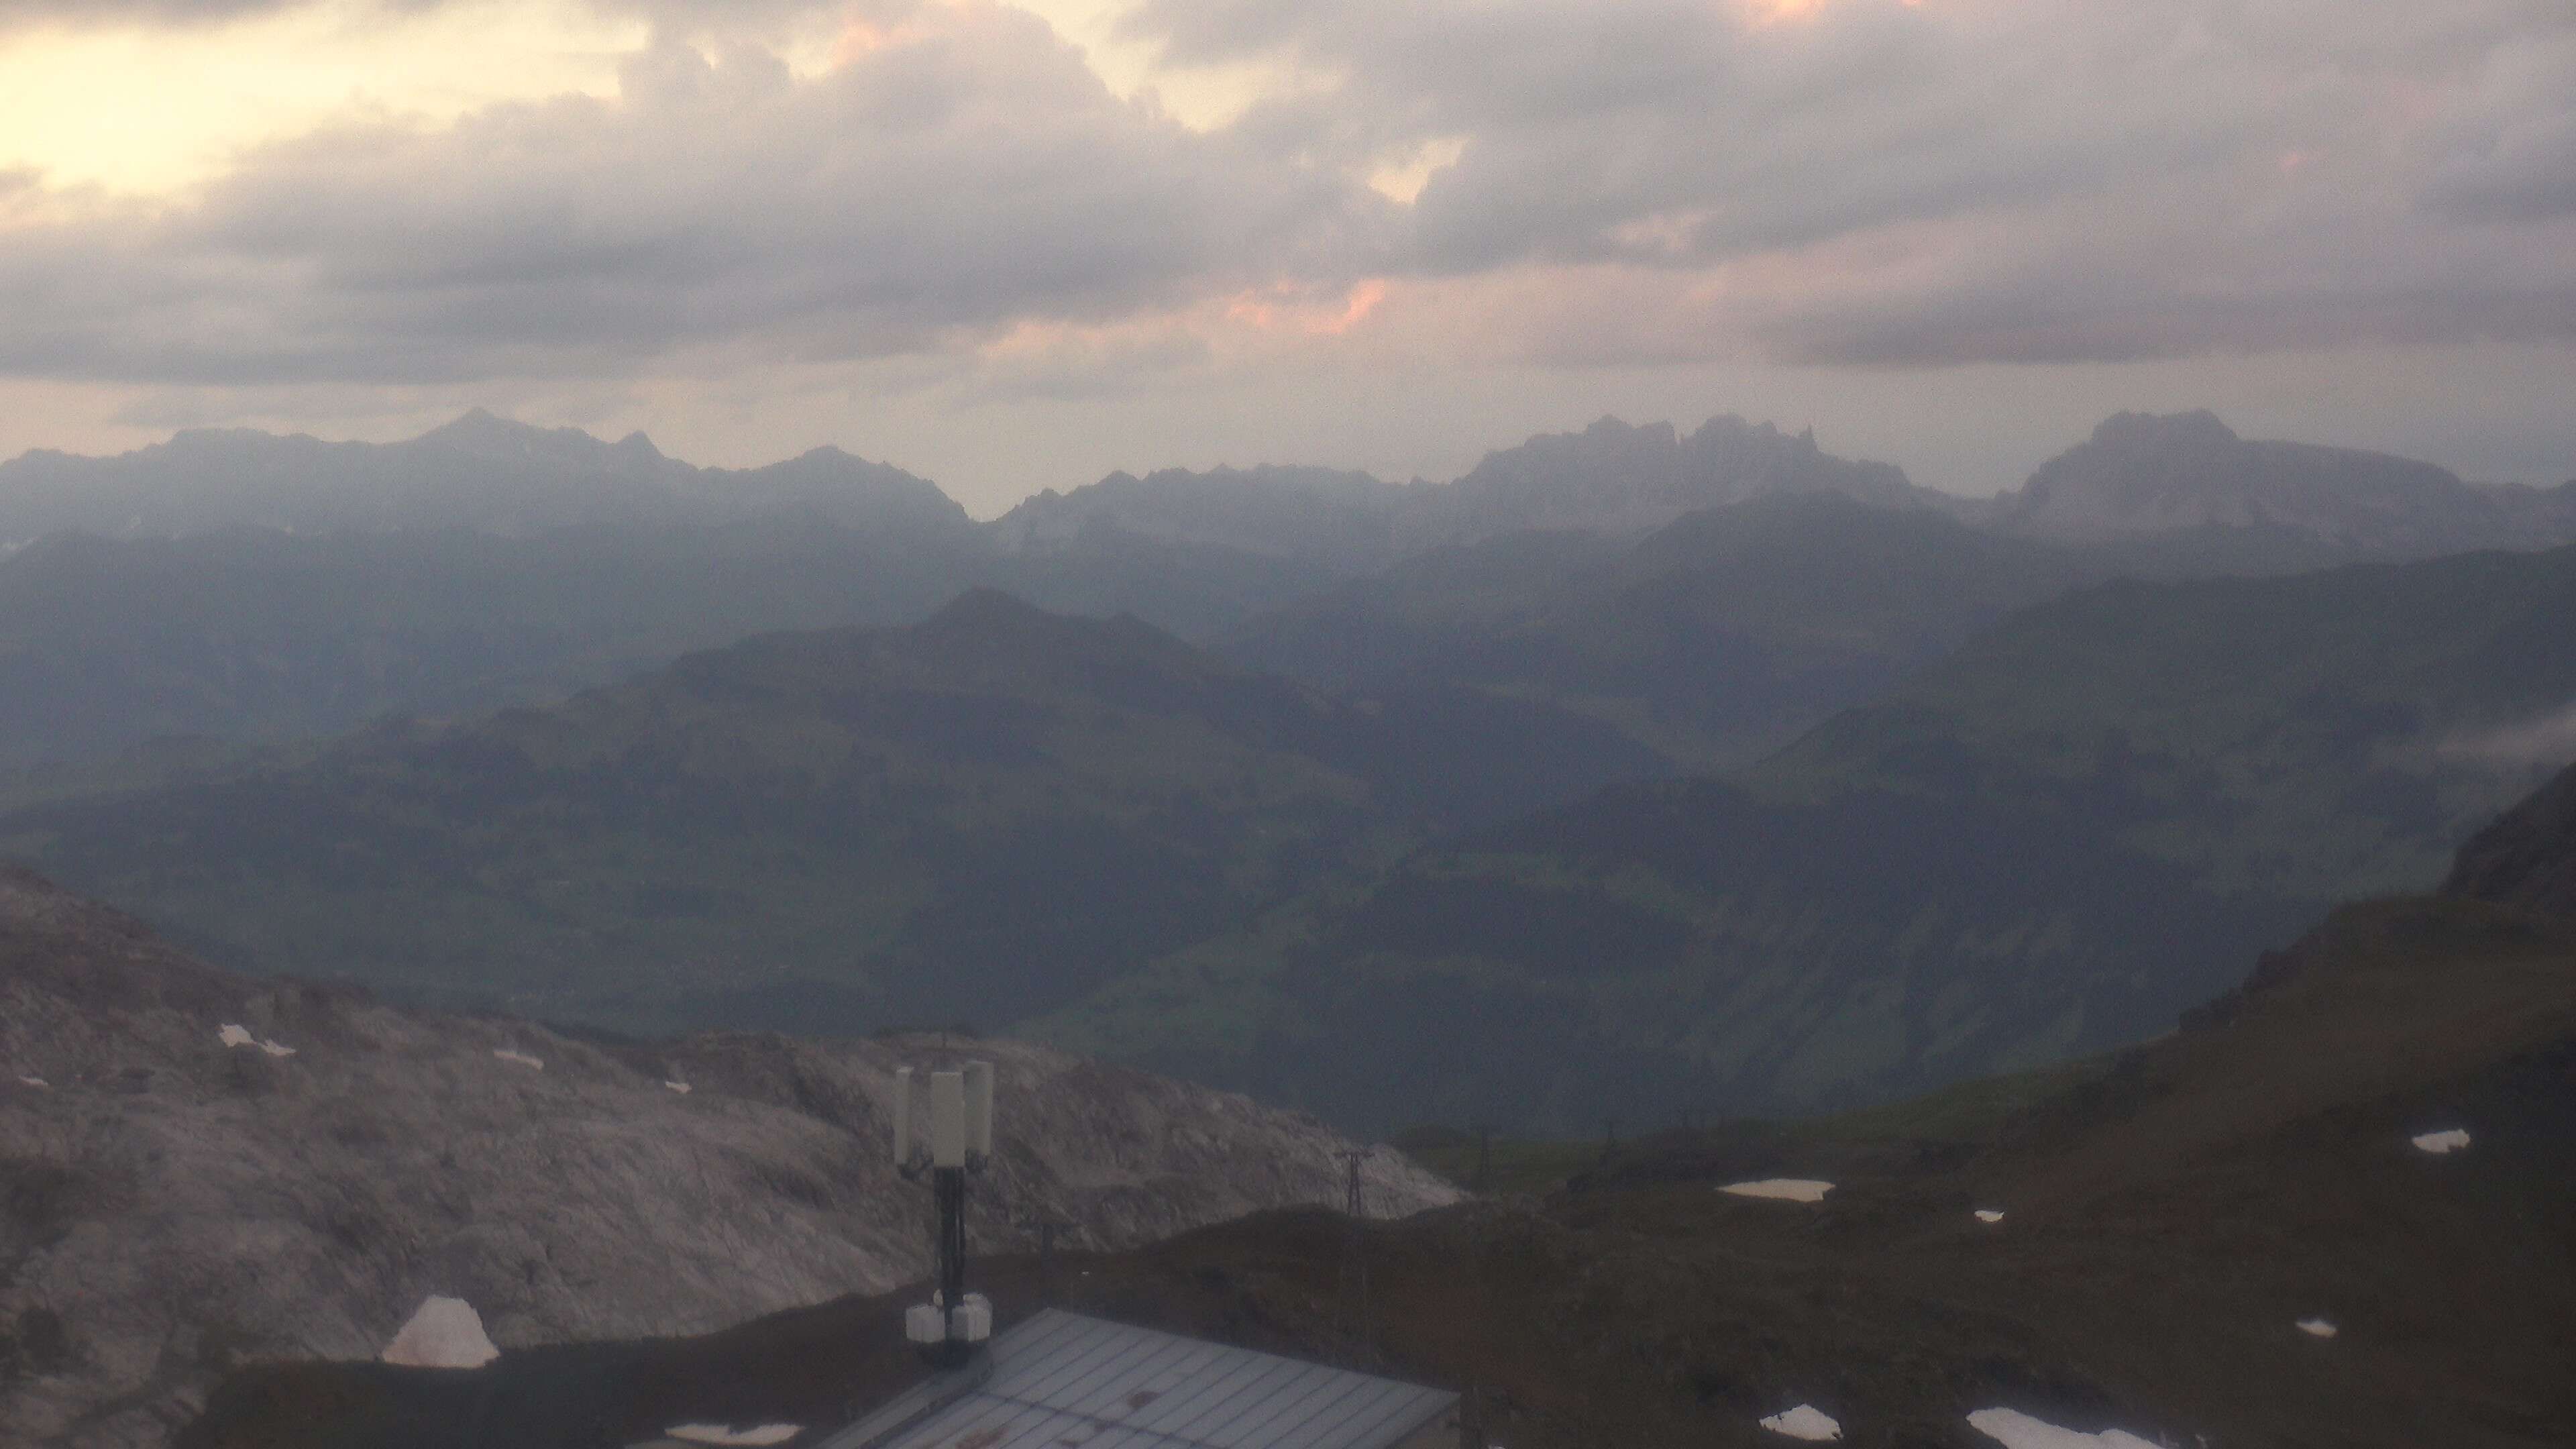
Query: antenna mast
point(954, 1321)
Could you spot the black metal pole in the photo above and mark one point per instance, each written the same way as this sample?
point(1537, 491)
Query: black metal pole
point(950, 1183)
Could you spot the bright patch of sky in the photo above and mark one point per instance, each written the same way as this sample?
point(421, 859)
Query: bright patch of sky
point(132, 108)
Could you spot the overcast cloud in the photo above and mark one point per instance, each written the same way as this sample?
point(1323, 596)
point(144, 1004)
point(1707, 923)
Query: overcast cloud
point(1610, 182)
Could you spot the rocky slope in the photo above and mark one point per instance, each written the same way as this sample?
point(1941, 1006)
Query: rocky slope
point(177, 1203)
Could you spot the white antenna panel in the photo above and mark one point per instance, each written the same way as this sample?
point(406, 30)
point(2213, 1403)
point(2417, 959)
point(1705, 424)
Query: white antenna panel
point(902, 1115)
point(947, 1119)
point(979, 1108)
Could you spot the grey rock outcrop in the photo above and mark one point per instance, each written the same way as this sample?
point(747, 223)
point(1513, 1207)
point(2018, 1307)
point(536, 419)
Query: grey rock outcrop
point(176, 1205)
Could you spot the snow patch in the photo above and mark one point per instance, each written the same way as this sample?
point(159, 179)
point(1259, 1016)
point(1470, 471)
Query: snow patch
point(1989, 1215)
point(680, 1087)
point(2016, 1430)
point(1804, 1422)
point(727, 1434)
point(2438, 1143)
point(2318, 1328)
point(1786, 1189)
point(234, 1034)
point(444, 1333)
point(522, 1058)
point(38, 1083)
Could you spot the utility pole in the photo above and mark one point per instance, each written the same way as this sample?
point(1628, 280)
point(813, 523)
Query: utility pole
point(1355, 1284)
point(954, 1322)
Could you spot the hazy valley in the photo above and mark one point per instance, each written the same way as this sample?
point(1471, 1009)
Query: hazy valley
point(1633, 779)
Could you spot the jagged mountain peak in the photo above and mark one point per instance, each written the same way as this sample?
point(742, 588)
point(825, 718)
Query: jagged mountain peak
point(2143, 474)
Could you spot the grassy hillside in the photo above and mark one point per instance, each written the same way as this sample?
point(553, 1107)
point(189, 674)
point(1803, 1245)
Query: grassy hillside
point(2092, 816)
point(971, 819)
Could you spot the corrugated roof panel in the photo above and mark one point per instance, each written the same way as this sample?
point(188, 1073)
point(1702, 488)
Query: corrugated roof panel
point(1063, 1381)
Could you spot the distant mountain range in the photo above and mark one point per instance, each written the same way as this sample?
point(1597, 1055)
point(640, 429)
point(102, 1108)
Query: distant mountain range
point(1610, 479)
point(1710, 594)
point(479, 472)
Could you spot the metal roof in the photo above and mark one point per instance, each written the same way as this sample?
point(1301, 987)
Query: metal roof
point(1063, 1381)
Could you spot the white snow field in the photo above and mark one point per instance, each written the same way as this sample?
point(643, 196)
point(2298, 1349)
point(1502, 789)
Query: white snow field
point(2439, 1143)
point(1805, 1422)
point(443, 1333)
point(1785, 1189)
point(727, 1434)
point(522, 1058)
point(234, 1034)
point(2016, 1430)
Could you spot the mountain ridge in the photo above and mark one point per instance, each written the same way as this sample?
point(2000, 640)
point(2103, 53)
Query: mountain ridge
point(478, 471)
point(852, 828)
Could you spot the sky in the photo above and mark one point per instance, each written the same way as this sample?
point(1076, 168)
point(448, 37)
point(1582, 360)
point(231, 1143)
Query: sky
point(1014, 244)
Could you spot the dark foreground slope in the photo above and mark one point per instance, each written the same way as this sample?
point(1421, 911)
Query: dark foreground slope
point(969, 819)
point(2168, 1225)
